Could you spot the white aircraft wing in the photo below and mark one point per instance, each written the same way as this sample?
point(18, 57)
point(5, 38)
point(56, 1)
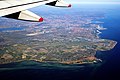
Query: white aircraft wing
point(17, 9)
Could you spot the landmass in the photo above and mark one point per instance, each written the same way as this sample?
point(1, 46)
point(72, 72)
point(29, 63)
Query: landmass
point(61, 41)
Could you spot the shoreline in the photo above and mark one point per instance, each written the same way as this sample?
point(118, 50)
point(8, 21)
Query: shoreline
point(49, 62)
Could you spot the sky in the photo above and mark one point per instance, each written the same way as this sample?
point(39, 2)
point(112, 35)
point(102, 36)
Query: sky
point(94, 1)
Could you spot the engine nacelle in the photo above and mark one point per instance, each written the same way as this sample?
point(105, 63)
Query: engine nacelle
point(59, 3)
point(25, 15)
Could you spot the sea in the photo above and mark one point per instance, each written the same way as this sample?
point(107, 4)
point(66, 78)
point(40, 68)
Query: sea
point(108, 69)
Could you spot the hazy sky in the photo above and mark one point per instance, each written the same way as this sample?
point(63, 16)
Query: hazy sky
point(94, 0)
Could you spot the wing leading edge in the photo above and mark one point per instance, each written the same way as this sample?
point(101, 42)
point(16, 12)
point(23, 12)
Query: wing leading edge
point(17, 9)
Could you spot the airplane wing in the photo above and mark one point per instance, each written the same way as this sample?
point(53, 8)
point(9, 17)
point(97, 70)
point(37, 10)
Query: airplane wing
point(17, 9)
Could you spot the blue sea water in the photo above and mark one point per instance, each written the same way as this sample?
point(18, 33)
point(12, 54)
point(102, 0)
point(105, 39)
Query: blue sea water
point(110, 67)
